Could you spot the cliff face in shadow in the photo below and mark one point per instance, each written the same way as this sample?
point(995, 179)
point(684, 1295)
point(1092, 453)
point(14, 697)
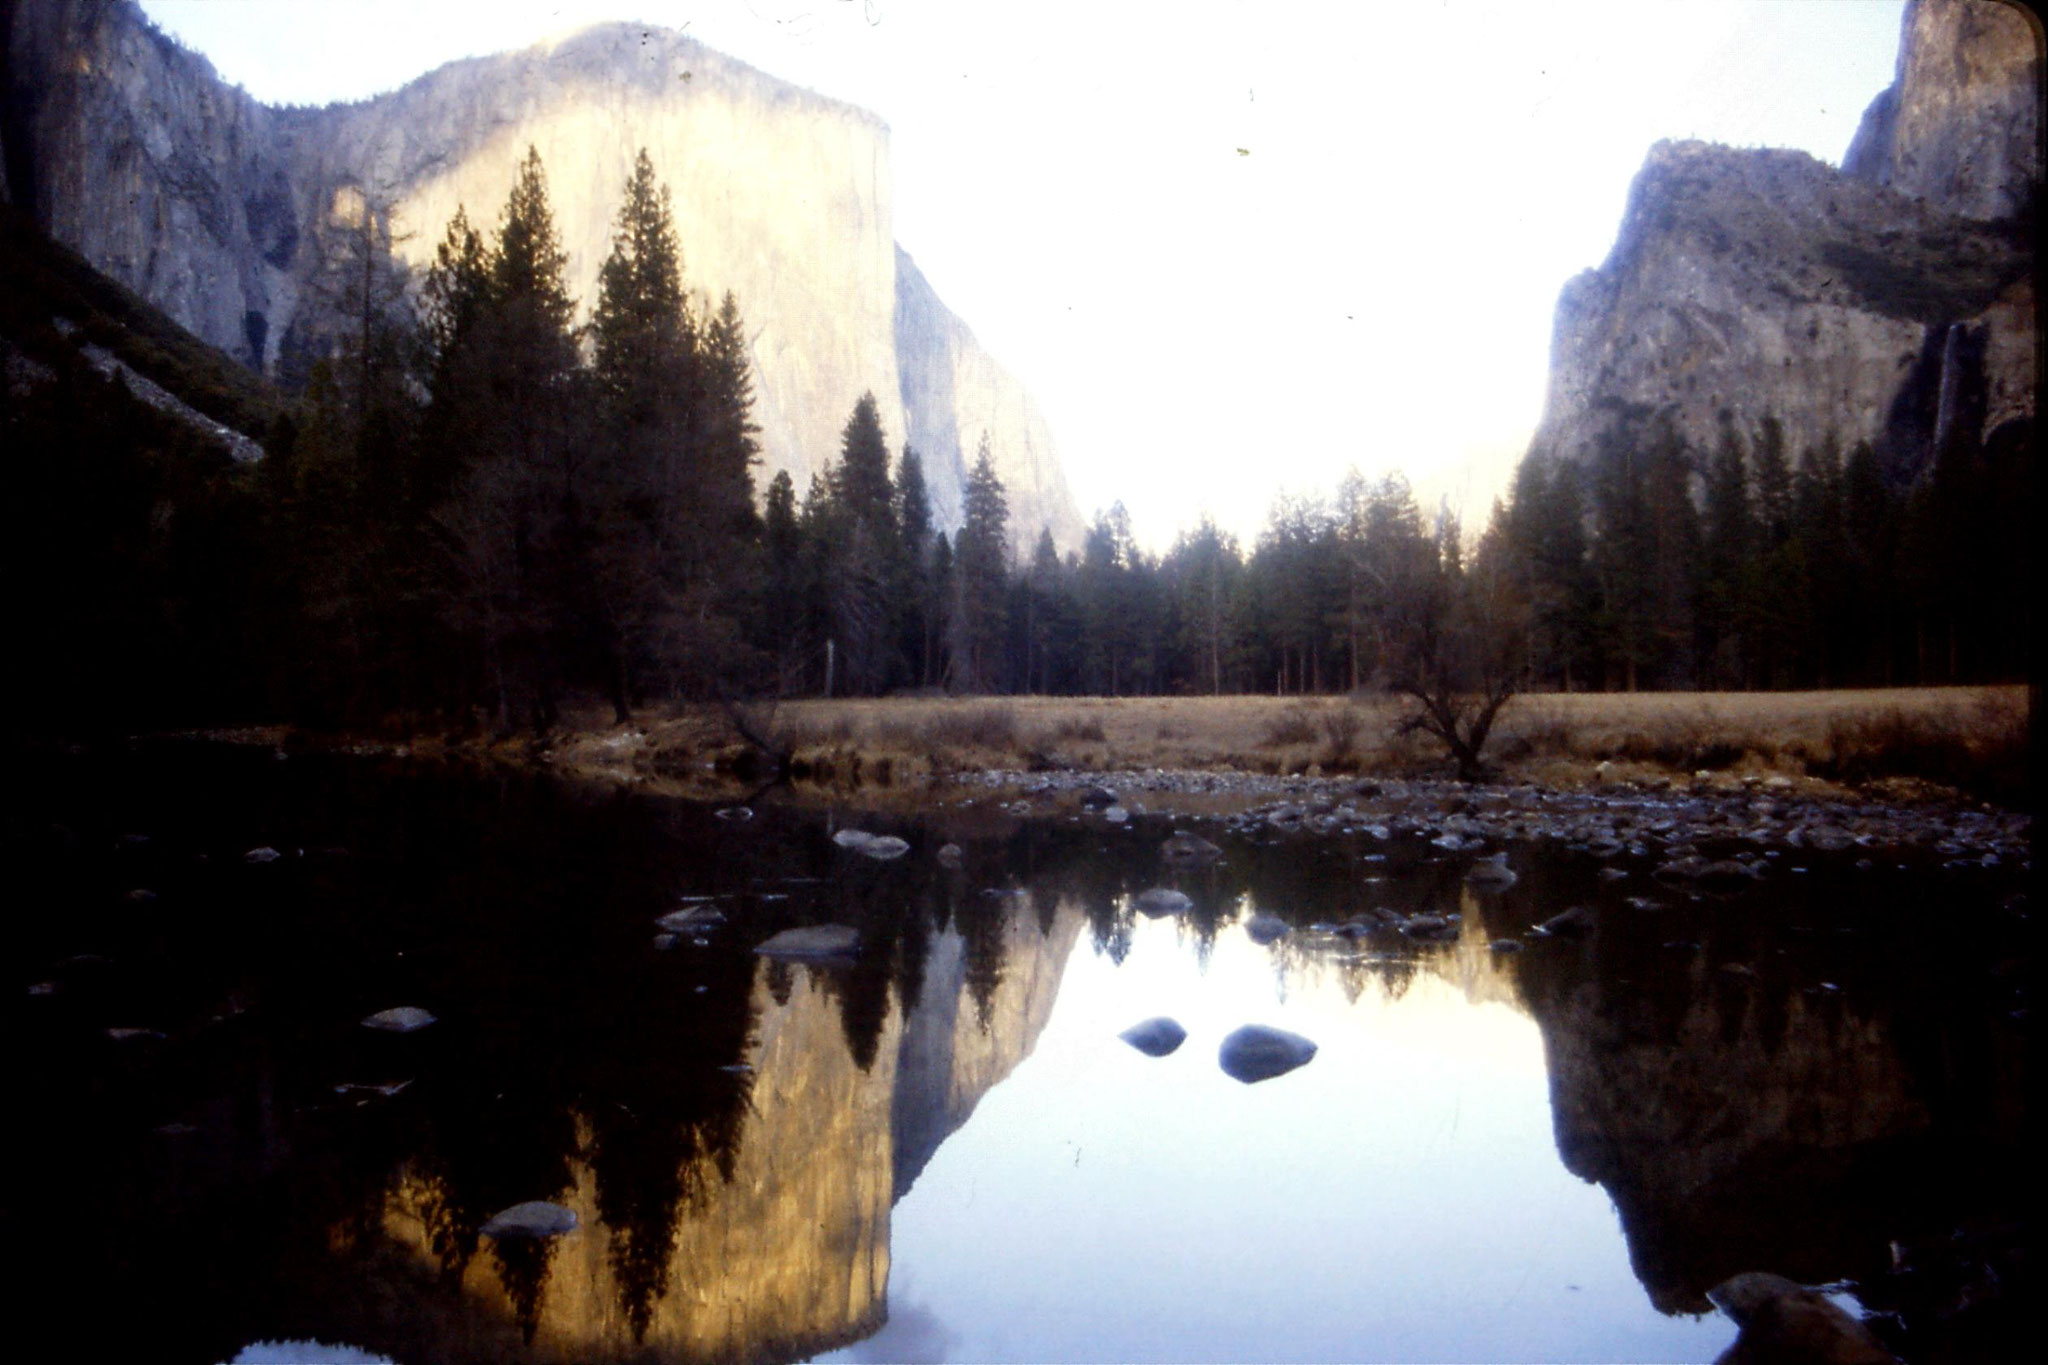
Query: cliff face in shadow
point(223, 212)
point(786, 1253)
point(1845, 303)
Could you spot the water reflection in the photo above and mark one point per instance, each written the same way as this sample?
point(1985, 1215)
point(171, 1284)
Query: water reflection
point(941, 1147)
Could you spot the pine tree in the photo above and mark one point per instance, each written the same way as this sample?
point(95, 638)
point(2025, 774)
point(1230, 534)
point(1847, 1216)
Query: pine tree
point(982, 568)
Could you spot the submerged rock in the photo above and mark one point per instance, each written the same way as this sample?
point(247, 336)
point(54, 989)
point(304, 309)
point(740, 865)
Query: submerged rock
point(536, 1218)
point(694, 920)
point(1506, 945)
point(1155, 1037)
point(1576, 922)
point(1258, 1053)
point(1116, 815)
point(402, 1019)
point(1098, 796)
point(951, 855)
point(812, 943)
point(1183, 847)
point(738, 814)
point(1491, 874)
point(883, 847)
point(1161, 901)
point(853, 838)
point(265, 854)
point(1429, 928)
point(1263, 928)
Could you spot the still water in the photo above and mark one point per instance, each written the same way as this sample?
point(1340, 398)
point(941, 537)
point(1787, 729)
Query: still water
point(940, 1149)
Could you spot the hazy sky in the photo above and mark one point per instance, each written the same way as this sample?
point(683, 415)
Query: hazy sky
point(1230, 248)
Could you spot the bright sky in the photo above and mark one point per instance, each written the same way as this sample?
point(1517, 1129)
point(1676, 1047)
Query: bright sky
point(1231, 248)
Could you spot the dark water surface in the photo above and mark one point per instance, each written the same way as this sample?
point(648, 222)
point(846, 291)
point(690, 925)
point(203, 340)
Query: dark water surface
point(941, 1149)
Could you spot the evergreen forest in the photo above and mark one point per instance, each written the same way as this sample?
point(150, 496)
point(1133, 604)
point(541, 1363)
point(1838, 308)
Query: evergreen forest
point(474, 510)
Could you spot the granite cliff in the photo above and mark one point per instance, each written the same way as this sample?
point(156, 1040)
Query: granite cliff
point(1869, 303)
point(221, 210)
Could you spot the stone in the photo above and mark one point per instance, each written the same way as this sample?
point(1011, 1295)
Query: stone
point(1096, 797)
point(1155, 1037)
point(261, 855)
point(812, 943)
point(737, 814)
point(883, 847)
point(694, 919)
point(1576, 922)
point(1264, 928)
point(534, 1220)
point(402, 1019)
point(1116, 815)
point(852, 838)
point(1429, 928)
point(1505, 945)
point(1257, 1053)
point(1490, 874)
point(1161, 901)
point(1183, 847)
point(951, 855)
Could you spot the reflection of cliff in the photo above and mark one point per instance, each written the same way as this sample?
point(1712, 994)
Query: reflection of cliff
point(790, 1256)
point(1719, 1138)
point(950, 1056)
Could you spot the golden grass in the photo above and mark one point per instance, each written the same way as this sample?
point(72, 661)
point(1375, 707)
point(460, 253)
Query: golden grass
point(1950, 735)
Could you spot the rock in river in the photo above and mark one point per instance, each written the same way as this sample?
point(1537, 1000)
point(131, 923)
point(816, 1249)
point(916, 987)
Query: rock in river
point(536, 1218)
point(402, 1019)
point(695, 920)
point(1576, 922)
point(1264, 928)
point(1491, 874)
point(1257, 1053)
point(1155, 1037)
point(1184, 847)
point(882, 846)
point(812, 943)
point(1161, 901)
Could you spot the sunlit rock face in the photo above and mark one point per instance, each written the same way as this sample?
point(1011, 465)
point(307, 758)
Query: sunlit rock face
point(221, 210)
point(953, 391)
point(1961, 124)
point(1765, 283)
point(790, 1256)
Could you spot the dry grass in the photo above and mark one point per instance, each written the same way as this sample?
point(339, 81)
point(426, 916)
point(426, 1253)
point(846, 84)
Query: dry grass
point(1970, 738)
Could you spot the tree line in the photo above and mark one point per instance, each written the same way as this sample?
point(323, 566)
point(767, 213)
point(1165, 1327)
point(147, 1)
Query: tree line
point(476, 509)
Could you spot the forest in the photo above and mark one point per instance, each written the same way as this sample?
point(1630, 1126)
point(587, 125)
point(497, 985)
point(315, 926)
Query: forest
point(474, 510)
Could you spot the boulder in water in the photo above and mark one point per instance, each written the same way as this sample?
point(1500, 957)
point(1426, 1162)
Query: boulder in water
point(812, 943)
point(533, 1220)
point(1576, 922)
point(402, 1019)
point(1264, 928)
point(1155, 1037)
point(1258, 1053)
point(883, 847)
point(693, 920)
point(1161, 901)
point(1491, 874)
point(852, 838)
point(265, 854)
point(951, 855)
point(1189, 848)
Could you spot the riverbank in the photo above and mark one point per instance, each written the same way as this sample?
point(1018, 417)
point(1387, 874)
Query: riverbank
point(1900, 745)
